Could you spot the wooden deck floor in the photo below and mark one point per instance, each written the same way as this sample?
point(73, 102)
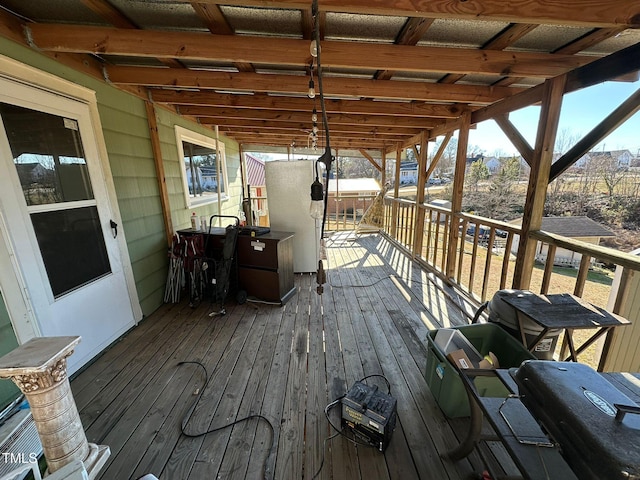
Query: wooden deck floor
point(286, 364)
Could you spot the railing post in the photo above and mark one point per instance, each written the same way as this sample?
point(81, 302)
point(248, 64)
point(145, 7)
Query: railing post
point(624, 339)
point(456, 199)
point(418, 226)
point(396, 192)
point(538, 179)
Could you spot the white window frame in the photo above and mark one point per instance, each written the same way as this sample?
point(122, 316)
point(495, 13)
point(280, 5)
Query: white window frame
point(185, 135)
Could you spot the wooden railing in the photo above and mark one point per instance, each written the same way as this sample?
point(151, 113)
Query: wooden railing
point(345, 211)
point(485, 257)
point(485, 250)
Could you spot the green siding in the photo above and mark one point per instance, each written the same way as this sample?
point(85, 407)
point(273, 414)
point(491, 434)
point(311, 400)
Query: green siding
point(8, 390)
point(127, 138)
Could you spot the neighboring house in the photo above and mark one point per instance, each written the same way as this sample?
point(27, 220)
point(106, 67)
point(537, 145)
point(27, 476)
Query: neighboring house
point(408, 173)
point(351, 195)
point(623, 158)
point(32, 172)
point(493, 164)
point(574, 227)
point(475, 158)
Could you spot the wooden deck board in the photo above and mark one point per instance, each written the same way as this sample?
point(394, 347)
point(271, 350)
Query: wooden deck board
point(285, 363)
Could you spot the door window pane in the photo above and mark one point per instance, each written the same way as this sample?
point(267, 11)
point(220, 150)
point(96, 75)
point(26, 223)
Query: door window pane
point(48, 155)
point(72, 247)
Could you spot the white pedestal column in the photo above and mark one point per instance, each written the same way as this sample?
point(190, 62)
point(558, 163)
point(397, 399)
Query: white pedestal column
point(39, 369)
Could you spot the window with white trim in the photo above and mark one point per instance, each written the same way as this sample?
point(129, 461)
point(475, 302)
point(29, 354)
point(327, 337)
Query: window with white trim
point(204, 169)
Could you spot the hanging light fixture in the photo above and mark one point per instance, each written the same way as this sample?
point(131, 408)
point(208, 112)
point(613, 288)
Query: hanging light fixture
point(313, 48)
point(316, 208)
point(312, 90)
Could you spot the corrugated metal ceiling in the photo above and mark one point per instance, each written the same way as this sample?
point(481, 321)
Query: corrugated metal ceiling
point(390, 88)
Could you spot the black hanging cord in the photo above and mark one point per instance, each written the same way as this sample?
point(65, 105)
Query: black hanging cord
point(326, 157)
point(183, 427)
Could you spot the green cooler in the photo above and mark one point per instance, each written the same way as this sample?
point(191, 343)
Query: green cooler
point(443, 378)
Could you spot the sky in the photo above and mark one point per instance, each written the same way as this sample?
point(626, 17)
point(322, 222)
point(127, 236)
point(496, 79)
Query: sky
point(581, 111)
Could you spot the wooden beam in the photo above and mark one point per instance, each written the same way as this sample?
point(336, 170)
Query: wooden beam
point(538, 180)
point(304, 104)
point(436, 158)
point(515, 137)
point(267, 125)
point(217, 23)
point(502, 40)
point(588, 40)
point(617, 64)
point(582, 43)
point(411, 33)
point(12, 28)
point(110, 13)
point(301, 142)
point(509, 36)
point(616, 118)
point(612, 66)
point(285, 51)
point(343, 119)
point(529, 97)
point(213, 18)
point(160, 175)
point(372, 134)
point(372, 161)
point(115, 17)
point(288, 84)
point(567, 12)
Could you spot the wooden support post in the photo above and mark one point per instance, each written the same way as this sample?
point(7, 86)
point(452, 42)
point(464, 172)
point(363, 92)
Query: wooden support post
point(623, 301)
point(538, 179)
point(162, 181)
point(383, 171)
point(456, 200)
point(396, 192)
point(418, 224)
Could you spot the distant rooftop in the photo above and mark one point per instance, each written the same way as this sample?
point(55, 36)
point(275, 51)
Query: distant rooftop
point(573, 227)
point(354, 185)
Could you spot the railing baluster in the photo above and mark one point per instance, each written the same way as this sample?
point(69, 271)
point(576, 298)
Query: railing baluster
point(548, 269)
point(463, 243)
point(445, 243)
point(583, 271)
point(487, 264)
point(430, 229)
point(505, 260)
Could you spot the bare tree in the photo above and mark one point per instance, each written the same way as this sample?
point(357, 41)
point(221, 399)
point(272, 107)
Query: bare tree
point(609, 170)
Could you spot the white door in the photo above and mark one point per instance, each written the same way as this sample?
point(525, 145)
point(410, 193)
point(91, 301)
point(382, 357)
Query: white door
point(57, 220)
